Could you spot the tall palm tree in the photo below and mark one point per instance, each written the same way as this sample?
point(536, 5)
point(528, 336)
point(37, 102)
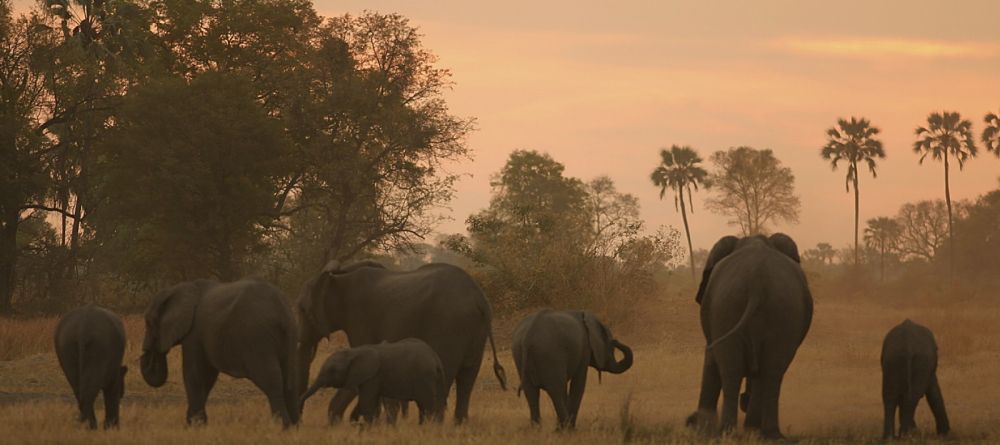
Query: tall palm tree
point(882, 234)
point(946, 134)
point(853, 142)
point(680, 171)
point(991, 134)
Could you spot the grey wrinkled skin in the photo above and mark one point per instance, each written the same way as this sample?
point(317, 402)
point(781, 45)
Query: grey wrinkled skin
point(554, 348)
point(437, 303)
point(244, 329)
point(909, 372)
point(90, 345)
point(756, 309)
point(406, 370)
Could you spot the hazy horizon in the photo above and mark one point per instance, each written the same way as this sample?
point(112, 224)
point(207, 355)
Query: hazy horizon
point(602, 88)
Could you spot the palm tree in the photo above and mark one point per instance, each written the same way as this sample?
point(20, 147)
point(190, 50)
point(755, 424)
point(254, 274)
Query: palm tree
point(991, 134)
point(882, 234)
point(946, 134)
point(826, 252)
point(680, 171)
point(854, 142)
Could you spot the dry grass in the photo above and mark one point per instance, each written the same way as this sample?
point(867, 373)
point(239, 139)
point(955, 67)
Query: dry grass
point(831, 393)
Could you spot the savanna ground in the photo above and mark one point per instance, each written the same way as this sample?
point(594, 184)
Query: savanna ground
point(830, 394)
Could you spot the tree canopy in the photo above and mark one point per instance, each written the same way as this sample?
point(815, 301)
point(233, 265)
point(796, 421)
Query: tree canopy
point(753, 189)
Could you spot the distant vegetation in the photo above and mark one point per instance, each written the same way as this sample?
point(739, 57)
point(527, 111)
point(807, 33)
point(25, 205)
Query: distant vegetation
point(142, 143)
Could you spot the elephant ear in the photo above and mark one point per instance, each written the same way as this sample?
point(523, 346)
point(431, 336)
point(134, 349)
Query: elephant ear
point(784, 244)
point(363, 366)
point(720, 250)
point(171, 316)
point(312, 305)
point(600, 341)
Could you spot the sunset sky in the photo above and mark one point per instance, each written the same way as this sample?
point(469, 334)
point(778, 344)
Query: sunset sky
point(603, 87)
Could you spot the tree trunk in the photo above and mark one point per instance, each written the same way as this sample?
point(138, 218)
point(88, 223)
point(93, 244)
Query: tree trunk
point(857, 206)
point(951, 234)
point(687, 231)
point(8, 260)
point(882, 264)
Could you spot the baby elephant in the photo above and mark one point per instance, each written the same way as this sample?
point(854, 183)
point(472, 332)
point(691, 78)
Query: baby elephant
point(909, 372)
point(552, 348)
point(90, 344)
point(407, 370)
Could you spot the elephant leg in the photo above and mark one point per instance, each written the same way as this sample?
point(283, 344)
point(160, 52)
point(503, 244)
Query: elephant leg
point(767, 392)
point(269, 379)
point(464, 381)
point(576, 388)
point(889, 426)
point(531, 395)
point(199, 378)
point(85, 402)
point(907, 410)
point(752, 406)
point(732, 366)
point(338, 404)
point(711, 386)
point(110, 410)
point(936, 402)
point(557, 393)
point(368, 402)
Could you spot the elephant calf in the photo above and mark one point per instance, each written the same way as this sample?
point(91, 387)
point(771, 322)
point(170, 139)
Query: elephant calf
point(90, 345)
point(909, 372)
point(407, 370)
point(552, 348)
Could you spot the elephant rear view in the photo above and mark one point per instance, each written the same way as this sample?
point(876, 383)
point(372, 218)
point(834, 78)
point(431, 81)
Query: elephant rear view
point(90, 345)
point(554, 348)
point(756, 309)
point(244, 329)
point(909, 372)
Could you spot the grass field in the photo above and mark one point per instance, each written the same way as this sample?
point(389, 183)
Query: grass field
point(830, 395)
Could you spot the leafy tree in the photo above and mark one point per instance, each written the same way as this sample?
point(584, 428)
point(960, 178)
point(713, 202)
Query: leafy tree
point(977, 239)
point(753, 188)
point(551, 240)
point(680, 171)
point(991, 134)
point(22, 175)
point(826, 252)
point(923, 229)
point(853, 142)
point(946, 134)
point(198, 202)
point(882, 234)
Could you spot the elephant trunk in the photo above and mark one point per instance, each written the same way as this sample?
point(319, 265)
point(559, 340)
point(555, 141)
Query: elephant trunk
point(625, 363)
point(154, 367)
point(312, 390)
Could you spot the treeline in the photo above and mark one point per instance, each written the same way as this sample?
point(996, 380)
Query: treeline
point(147, 142)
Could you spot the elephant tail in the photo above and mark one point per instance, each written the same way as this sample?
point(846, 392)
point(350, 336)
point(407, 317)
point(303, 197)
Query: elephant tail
point(752, 304)
point(497, 368)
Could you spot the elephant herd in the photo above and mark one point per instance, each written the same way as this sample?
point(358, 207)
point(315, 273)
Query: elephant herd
point(415, 334)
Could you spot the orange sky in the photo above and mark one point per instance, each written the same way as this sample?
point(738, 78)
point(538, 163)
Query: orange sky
point(602, 87)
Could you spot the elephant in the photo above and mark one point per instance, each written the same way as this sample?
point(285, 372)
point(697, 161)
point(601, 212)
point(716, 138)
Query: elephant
point(909, 372)
point(244, 329)
point(756, 309)
point(406, 370)
point(90, 345)
point(437, 303)
point(554, 348)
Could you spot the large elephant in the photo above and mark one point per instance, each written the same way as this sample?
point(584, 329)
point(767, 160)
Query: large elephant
point(244, 329)
point(756, 309)
point(437, 303)
point(552, 351)
point(909, 372)
point(90, 345)
point(406, 370)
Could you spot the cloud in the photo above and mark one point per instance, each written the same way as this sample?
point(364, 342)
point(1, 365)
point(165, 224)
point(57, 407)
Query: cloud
point(885, 47)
